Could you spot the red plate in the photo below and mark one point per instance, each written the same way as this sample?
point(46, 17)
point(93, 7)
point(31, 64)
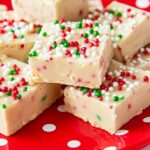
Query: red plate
point(57, 130)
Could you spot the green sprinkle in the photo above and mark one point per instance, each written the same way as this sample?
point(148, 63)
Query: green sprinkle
point(111, 27)
point(119, 14)
point(96, 24)
point(38, 30)
point(96, 33)
point(11, 30)
point(77, 53)
point(97, 93)
point(120, 36)
point(81, 88)
point(116, 98)
point(44, 98)
point(86, 90)
point(98, 117)
point(11, 72)
point(44, 34)
point(19, 96)
point(4, 106)
point(8, 93)
point(62, 27)
point(25, 89)
point(111, 11)
point(121, 97)
point(12, 79)
point(21, 36)
point(66, 44)
point(91, 31)
point(86, 35)
point(79, 25)
point(33, 54)
point(56, 22)
point(54, 45)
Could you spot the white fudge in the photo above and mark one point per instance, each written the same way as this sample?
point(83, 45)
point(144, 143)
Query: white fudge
point(43, 11)
point(129, 28)
point(20, 102)
point(123, 94)
point(95, 5)
point(16, 36)
point(3, 8)
point(141, 59)
point(76, 54)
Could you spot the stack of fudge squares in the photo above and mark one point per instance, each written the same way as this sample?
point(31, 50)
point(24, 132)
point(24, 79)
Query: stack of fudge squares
point(104, 61)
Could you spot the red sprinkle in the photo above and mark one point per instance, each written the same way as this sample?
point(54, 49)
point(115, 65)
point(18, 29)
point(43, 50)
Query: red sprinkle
point(133, 77)
point(21, 45)
point(146, 79)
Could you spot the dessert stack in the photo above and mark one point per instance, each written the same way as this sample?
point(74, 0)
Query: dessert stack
point(102, 58)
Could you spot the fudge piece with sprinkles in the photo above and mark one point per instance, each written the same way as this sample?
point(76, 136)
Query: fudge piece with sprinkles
point(141, 59)
point(129, 28)
point(71, 53)
point(20, 102)
point(16, 36)
point(123, 94)
point(43, 11)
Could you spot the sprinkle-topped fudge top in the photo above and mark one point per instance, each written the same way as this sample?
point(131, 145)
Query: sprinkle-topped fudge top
point(141, 58)
point(13, 81)
point(121, 18)
point(72, 40)
point(118, 83)
point(16, 30)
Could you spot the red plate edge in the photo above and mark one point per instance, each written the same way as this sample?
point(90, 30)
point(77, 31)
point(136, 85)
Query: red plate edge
point(21, 139)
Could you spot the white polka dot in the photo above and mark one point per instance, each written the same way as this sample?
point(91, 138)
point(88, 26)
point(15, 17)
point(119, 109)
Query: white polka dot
point(146, 120)
point(73, 144)
point(61, 108)
point(3, 142)
point(49, 127)
point(110, 148)
point(142, 3)
point(121, 132)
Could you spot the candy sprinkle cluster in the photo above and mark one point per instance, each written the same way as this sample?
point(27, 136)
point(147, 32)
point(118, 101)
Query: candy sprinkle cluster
point(117, 84)
point(12, 84)
point(141, 58)
point(11, 30)
point(70, 39)
point(122, 20)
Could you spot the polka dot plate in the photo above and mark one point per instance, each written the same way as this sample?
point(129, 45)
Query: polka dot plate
point(57, 130)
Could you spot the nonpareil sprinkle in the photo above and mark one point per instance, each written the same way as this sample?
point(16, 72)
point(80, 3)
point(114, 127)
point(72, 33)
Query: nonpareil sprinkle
point(33, 54)
point(4, 106)
point(19, 96)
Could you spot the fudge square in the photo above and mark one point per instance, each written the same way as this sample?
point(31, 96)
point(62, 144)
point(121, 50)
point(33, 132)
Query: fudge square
point(20, 102)
point(43, 11)
point(123, 94)
point(141, 59)
point(16, 35)
point(129, 28)
point(75, 53)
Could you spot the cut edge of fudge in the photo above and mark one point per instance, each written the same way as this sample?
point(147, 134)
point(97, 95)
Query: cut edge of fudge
point(109, 114)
